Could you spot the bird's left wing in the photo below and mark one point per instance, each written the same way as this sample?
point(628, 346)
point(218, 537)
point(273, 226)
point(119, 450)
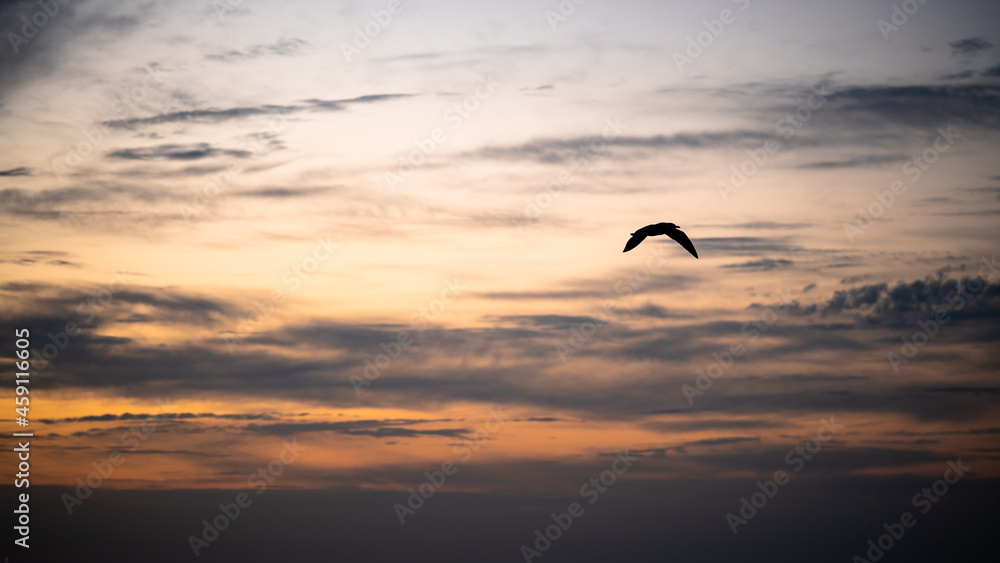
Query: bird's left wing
point(634, 241)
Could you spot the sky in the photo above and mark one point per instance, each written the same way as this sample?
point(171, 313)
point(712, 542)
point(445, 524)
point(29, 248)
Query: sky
point(359, 262)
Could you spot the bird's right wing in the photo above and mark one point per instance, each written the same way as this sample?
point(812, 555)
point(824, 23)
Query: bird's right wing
point(634, 242)
point(684, 241)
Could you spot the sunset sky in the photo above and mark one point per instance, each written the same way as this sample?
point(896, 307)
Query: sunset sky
point(401, 248)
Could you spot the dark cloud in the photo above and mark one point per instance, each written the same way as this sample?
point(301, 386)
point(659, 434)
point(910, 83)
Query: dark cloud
point(763, 265)
point(219, 115)
point(282, 193)
point(905, 303)
point(176, 152)
point(31, 257)
point(159, 416)
point(607, 288)
point(859, 161)
point(846, 111)
point(445, 365)
point(742, 246)
point(78, 203)
point(973, 390)
point(992, 72)
point(683, 447)
point(558, 151)
point(371, 428)
point(20, 171)
point(970, 46)
point(702, 425)
point(24, 59)
point(185, 453)
point(203, 115)
point(963, 75)
point(975, 105)
point(651, 311)
point(761, 225)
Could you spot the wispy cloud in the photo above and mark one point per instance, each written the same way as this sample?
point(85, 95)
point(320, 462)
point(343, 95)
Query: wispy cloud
point(219, 115)
point(970, 46)
point(176, 152)
point(283, 47)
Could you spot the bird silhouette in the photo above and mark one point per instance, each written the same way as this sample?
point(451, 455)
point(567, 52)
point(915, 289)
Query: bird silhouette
point(669, 229)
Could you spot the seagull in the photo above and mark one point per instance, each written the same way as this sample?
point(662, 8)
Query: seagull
point(669, 229)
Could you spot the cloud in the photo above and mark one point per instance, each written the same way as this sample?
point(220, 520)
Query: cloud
point(973, 390)
point(970, 46)
point(43, 53)
point(761, 225)
point(557, 151)
point(20, 171)
point(283, 47)
point(741, 246)
point(963, 75)
point(854, 162)
point(703, 424)
point(370, 428)
point(682, 448)
point(904, 302)
point(282, 193)
point(32, 257)
point(195, 151)
point(992, 72)
point(764, 265)
point(186, 453)
point(59, 203)
point(220, 115)
point(513, 361)
point(918, 105)
point(159, 416)
point(590, 288)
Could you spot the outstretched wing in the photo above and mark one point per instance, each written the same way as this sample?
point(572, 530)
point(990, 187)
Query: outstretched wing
point(634, 241)
point(684, 241)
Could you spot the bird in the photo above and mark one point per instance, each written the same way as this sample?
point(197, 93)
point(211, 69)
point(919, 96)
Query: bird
point(669, 229)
